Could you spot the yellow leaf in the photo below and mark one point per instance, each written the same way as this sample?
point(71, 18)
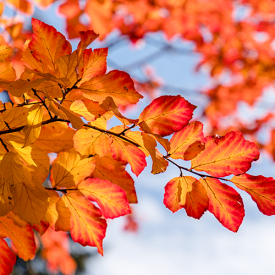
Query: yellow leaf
point(34, 121)
point(30, 205)
point(69, 169)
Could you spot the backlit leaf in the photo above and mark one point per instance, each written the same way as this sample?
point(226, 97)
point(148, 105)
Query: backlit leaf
point(261, 190)
point(48, 44)
point(183, 139)
point(222, 156)
point(30, 205)
point(87, 226)
point(225, 203)
point(7, 258)
point(93, 64)
point(92, 142)
point(188, 193)
point(21, 235)
point(116, 84)
point(34, 121)
point(69, 169)
point(114, 171)
point(110, 198)
point(166, 115)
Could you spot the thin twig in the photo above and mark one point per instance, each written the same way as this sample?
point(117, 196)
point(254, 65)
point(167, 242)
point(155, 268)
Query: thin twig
point(43, 102)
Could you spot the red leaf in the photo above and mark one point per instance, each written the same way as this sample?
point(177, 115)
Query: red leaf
point(222, 156)
point(111, 199)
point(7, 258)
point(166, 115)
point(261, 190)
point(225, 203)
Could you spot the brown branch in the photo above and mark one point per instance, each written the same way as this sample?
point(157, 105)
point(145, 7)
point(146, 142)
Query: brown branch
point(43, 102)
point(4, 145)
point(193, 172)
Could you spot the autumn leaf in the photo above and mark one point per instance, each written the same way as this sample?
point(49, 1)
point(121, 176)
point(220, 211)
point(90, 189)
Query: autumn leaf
point(47, 44)
point(57, 214)
point(4, 52)
point(126, 152)
point(188, 193)
point(231, 154)
point(13, 172)
point(53, 142)
point(33, 125)
point(69, 169)
point(21, 235)
point(87, 226)
point(111, 199)
point(93, 64)
point(261, 190)
point(31, 205)
point(181, 141)
point(224, 203)
point(92, 142)
point(166, 115)
point(116, 84)
point(7, 72)
point(7, 258)
point(107, 168)
point(88, 109)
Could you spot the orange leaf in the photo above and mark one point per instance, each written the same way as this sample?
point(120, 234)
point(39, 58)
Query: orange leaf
point(7, 72)
point(87, 226)
point(57, 214)
point(21, 235)
point(126, 152)
point(109, 105)
point(4, 52)
point(88, 109)
point(92, 142)
point(69, 169)
point(30, 205)
point(181, 140)
point(231, 154)
point(93, 64)
point(116, 84)
point(166, 115)
point(188, 193)
point(261, 190)
point(48, 44)
point(225, 203)
point(86, 38)
point(34, 121)
point(114, 171)
point(53, 142)
point(110, 198)
point(23, 5)
point(6, 199)
point(7, 258)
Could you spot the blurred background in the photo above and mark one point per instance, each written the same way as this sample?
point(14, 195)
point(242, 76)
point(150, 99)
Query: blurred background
point(219, 55)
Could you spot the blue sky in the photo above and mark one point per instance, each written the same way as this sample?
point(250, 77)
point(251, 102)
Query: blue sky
point(174, 243)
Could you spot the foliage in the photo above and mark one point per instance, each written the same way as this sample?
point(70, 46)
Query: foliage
point(63, 99)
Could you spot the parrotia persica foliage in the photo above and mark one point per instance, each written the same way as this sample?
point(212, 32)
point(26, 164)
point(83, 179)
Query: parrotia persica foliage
point(61, 104)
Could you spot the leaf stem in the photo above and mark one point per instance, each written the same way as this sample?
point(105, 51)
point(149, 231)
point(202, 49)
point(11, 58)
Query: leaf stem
point(43, 102)
point(193, 172)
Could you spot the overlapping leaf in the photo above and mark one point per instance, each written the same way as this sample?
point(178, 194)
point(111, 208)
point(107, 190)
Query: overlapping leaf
point(116, 84)
point(188, 193)
point(225, 203)
point(21, 235)
point(7, 258)
point(181, 141)
point(107, 168)
point(87, 226)
point(47, 44)
point(231, 154)
point(69, 169)
point(166, 115)
point(261, 190)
